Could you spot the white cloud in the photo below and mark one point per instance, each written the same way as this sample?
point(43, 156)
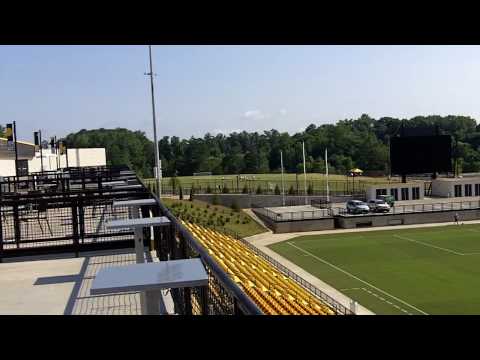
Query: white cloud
point(255, 115)
point(283, 112)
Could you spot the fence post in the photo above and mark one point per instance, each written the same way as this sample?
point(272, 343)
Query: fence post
point(1, 236)
point(76, 241)
point(16, 224)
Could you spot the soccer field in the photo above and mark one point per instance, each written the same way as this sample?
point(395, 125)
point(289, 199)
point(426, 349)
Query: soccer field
point(432, 270)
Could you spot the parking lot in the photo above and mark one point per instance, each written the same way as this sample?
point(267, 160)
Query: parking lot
point(305, 212)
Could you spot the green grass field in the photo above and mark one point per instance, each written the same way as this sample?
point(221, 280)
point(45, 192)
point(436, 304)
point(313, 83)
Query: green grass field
point(336, 182)
point(432, 270)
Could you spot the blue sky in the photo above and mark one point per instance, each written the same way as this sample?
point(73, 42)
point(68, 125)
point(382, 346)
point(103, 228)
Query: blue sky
point(199, 89)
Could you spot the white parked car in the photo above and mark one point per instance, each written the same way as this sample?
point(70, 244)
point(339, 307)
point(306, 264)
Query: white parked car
point(378, 205)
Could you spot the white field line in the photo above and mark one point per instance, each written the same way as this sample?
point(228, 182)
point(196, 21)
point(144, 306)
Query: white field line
point(436, 247)
point(378, 297)
point(356, 278)
point(385, 300)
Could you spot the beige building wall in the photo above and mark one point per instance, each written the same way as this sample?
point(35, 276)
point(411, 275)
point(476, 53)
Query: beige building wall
point(372, 190)
point(7, 167)
point(84, 157)
point(446, 187)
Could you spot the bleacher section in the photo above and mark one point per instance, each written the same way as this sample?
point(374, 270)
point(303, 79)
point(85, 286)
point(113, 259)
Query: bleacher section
point(272, 291)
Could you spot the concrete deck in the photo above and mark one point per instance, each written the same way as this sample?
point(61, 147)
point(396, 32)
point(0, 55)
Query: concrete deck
point(61, 286)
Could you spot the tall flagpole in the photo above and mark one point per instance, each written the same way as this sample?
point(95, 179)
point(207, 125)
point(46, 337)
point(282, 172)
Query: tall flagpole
point(304, 173)
point(326, 174)
point(283, 186)
point(155, 143)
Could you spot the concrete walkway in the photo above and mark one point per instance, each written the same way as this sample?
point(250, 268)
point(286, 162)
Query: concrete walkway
point(262, 241)
point(60, 285)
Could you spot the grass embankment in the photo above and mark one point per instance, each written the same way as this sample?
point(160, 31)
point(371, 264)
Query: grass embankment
point(217, 216)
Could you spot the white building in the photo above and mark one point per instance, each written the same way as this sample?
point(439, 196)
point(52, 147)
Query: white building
point(29, 160)
point(456, 187)
point(414, 190)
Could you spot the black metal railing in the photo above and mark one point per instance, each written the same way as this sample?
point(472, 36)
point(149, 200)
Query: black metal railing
point(422, 208)
point(292, 215)
point(224, 295)
point(38, 220)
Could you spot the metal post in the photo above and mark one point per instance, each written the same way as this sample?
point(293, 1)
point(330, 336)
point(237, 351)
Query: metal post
point(283, 185)
point(56, 151)
point(304, 174)
point(41, 150)
point(16, 153)
point(155, 144)
point(326, 175)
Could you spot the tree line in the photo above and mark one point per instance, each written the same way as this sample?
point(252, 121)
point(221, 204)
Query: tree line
point(362, 143)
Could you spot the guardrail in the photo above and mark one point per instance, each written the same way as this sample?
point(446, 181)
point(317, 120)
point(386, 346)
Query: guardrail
point(424, 208)
point(225, 297)
point(292, 215)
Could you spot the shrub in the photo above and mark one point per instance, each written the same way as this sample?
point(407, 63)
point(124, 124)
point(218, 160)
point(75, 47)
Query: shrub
point(237, 222)
point(191, 206)
point(208, 207)
point(245, 189)
point(180, 192)
point(192, 191)
point(291, 191)
point(227, 219)
point(259, 190)
point(225, 189)
point(208, 190)
point(277, 190)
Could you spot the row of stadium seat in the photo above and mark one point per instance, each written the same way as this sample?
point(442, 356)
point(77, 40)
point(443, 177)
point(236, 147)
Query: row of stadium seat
point(272, 291)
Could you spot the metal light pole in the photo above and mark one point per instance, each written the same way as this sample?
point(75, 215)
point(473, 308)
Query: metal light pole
point(155, 143)
point(304, 174)
point(283, 186)
point(326, 175)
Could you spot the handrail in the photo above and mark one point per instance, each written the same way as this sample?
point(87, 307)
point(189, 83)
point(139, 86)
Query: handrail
point(244, 301)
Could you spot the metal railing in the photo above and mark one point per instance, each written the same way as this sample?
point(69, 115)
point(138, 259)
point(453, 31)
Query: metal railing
point(421, 208)
point(292, 215)
point(263, 187)
point(224, 296)
point(44, 221)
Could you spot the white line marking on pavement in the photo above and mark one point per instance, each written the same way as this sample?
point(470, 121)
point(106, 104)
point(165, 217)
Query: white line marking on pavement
point(357, 278)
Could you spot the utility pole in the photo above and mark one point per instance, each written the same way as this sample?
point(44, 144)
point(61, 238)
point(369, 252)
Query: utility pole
point(283, 186)
point(304, 174)
point(326, 175)
point(158, 171)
